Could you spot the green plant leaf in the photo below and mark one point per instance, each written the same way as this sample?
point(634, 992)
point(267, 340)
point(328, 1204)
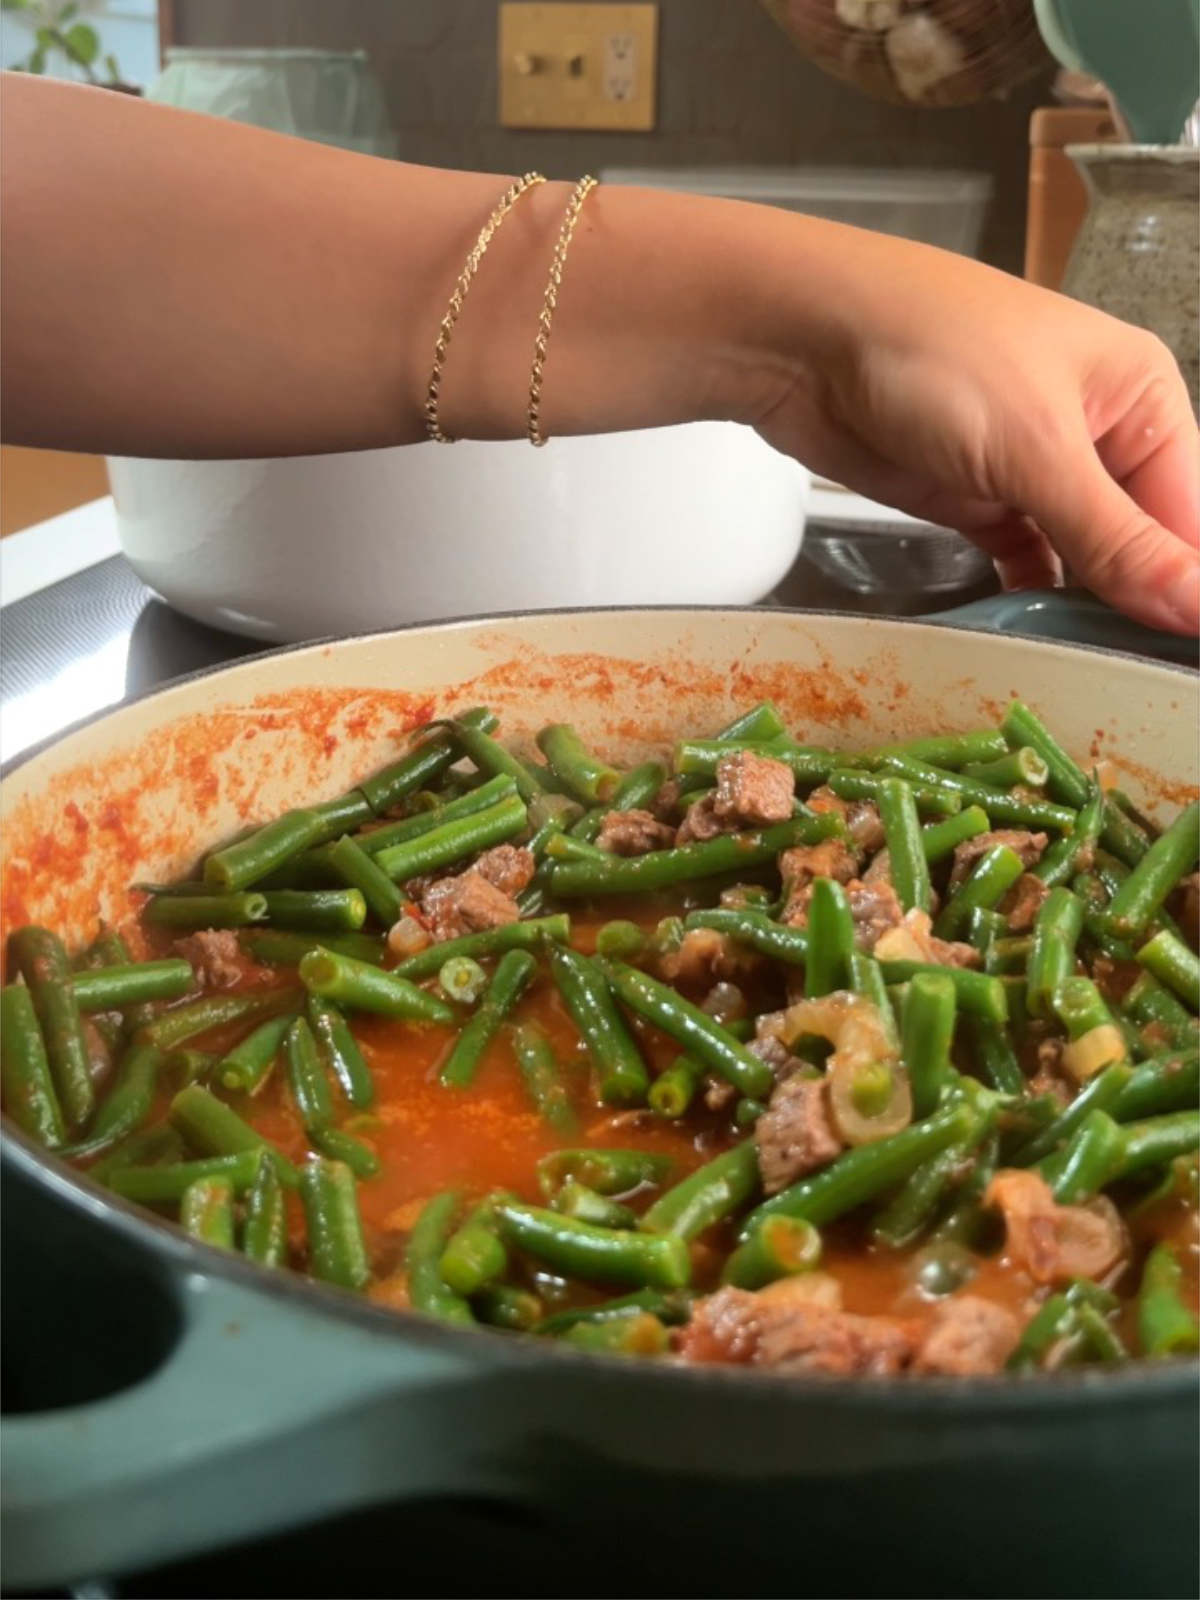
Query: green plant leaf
point(37, 61)
point(47, 38)
point(14, 5)
point(113, 70)
point(83, 42)
point(66, 14)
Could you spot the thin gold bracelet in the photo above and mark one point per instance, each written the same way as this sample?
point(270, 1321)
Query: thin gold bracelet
point(433, 393)
point(550, 304)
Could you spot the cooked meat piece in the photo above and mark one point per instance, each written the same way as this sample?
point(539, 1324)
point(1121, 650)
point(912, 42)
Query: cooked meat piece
point(794, 1135)
point(634, 833)
point(468, 903)
point(1029, 847)
point(879, 868)
point(912, 939)
point(788, 1331)
point(1022, 903)
point(216, 957)
point(509, 867)
point(1114, 978)
point(860, 816)
point(718, 1094)
point(769, 1047)
point(1189, 908)
point(754, 790)
point(666, 803)
point(406, 936)
point(706, 956)
point(967, 1336)
point(700, 822)
point(1054, 1242)
point(832, 858)
point(873, 906)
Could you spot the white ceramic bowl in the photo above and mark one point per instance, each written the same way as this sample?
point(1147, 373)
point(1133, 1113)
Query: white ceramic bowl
point(287, 550)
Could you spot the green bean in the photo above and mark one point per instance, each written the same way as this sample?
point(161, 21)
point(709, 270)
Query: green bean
point(114, 988)
point(709, 1195)
point(780, 1247)
point(608, 1171)
point(1087, 1162)
point(565, 847)
point(1155, 1141)
point(433, 756)
point(161, 1143)
point(127, 1104)
point(673, 1091)
point(866, 979)
point(906, 852)
point(1172, 854)
point(264, 1233)
point(1170, 960)
point(938, 839)
point(1169, 1082)
point(260, 852)
point(337, 1252)
point(948, 749)
point(206, 1212)
point(760, 722)
point(539, 1073)
point(599, 1255)
point(670, 1306)
point(338, 910)
point(809, 763)
point(512, 974)
point(1000, 804)
point(622, 1078)
point(638, 1334)
point(172, 1028)
point(1049, 1324)
point(453, 840)
point(830, 939)
point(365, 877)
point(587, 778)
point(469, 804)
point(1073, 852)
point(850, 784)
point(1102, 1093)
point(906, 1215)
point(1066, 780)
point(473, 1256)
point(1166, 1325)
point(1149, 1004)
point(343, 813)
point(1007, 956)
point(427, 1290)
point(341, 1052)
point(366, 988)
point(41, 959)
point(502, 1306)
point(156, 1185)
point(215, 1129)
point(586, 1205)
point(635, 791)
point(462, 979)
point(992, 1049)
point(1052, 958)
point(280, 948)
point(620, 938)
point(983, 928)
point(1099, 1335)
point(206, 910)
point(860, 1174)
point(978, 994)
point(660, 869)
point(248, 1065)
point(339, 1145)
point(927, 1034)
point(29, 1095)
point(490, 756)
point(1022, 766)
point(756, 929)
point(306, 1077)
point(747, 1112)
point(700, 1036)
point(531, 935)
point(993, 875)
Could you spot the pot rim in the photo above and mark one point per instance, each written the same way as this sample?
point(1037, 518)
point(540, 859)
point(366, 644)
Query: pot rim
point(1005, 1393)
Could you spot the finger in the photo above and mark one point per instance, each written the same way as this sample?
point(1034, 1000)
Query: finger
point(1154, 454)
point(1117, 548)
point(1023, 556)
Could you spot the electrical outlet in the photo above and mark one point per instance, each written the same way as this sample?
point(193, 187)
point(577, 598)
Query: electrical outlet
point(578, 66)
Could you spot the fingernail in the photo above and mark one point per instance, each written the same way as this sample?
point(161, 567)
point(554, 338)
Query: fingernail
point(1185, 600)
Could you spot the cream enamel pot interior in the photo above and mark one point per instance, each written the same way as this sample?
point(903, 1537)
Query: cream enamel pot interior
point(703, 514)
point(252, 1402)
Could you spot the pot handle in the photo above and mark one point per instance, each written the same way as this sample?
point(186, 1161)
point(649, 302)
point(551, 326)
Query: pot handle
point(265, 1414)
point(1073, 616)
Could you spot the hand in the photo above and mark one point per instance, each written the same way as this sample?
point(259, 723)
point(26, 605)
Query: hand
point(1043, 430)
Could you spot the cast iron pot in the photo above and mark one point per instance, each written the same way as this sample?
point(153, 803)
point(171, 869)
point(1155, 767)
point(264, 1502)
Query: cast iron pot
point(235, 1402)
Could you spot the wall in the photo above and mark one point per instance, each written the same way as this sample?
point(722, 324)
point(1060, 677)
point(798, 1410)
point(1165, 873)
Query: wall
point(732, 90)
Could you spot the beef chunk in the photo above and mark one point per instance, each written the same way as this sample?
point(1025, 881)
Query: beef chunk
point(860, 816)
point(785, 1328)
point(718, 1094)
point(700, 822)
point(754, 790)
point(468, 903)
point(705, 957)
point(509, 867)
point(216, 957)
point(634, 833)
point(794, 1135)
point(1022, 903)
point(832, 858)
point(1028, 846)
point(966, 1337)
point(873, 907)
point(769, 1047)
point(1053, 1242)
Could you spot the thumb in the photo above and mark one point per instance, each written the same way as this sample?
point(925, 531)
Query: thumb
point(1116, 548)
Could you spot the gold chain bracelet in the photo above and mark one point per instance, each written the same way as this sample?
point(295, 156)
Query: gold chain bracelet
point(550, 304)
point(446, 330)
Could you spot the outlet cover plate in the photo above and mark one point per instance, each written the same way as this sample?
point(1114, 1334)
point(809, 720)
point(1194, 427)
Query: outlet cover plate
point(578, 66)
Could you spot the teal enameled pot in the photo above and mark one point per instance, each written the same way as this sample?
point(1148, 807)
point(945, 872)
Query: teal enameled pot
point(184, 1400)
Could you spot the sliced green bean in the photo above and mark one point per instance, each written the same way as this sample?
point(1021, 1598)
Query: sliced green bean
point(264, 850)
point(1170, 960)
point(952, 750)
point(540, 1075)
point(281, 948)
point(247, 1066)
point(712, 1193)
point(473, 1255)
point(264, 1233)
point(1102, 1093)
point(978, 994)
point(851, 784)
point(1169, 858)
point(364, 875)
point(673, 1091)
point(500, 1305)
point(910, 1210)
point(809, 763)
point(755, 929)
point(1052, 957)
point(206, 1212)
point(453, 841)
point(1073, 852)
point(1166, 1325)
point(1155, 1141)
point(1089, 1160)
point(339, 1145)
point(306, 1078)
point(1021, 766)
point(127, 1104)
point(586, 1205)
point(779, 1248)
point(939, 839)
point(608, 1171)
point(622, 1078)
point(990, 880)
point(597, 1255)
point(635, 791)
point(512, 974)
point(233, 910)
point(1001, 805)
point(1168, 1082)
point(906, 850)
point(830, 939)
point(671, 1306)
point(588, 779)
point(215, 1129)
point(434, 755)
point(621, 939)
point(387, 834)
point(927, 1034)
point(114, 988)
point(638, 1334)
point(156, 1185)
point(427, 1289)
point(337, 1251)
point(366, 988)
point(42, 960)
point(29, 1094)
point(1152, 1006)
point(530, 935)
point(148, 1146)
